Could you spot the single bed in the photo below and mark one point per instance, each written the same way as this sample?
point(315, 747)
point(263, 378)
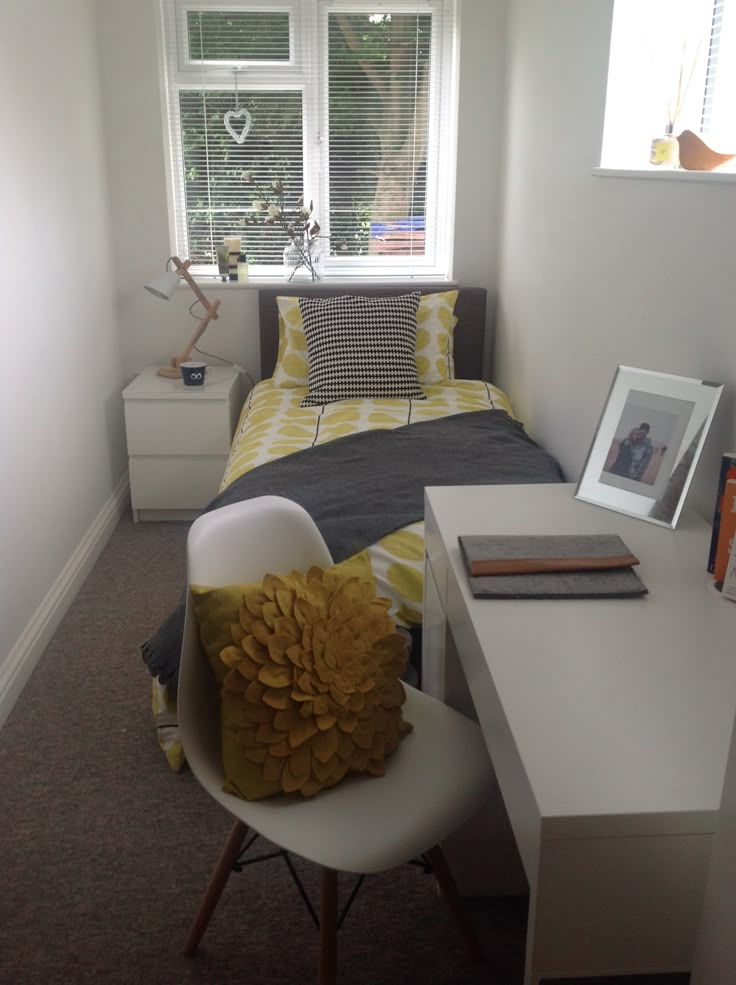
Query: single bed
point(359, 465)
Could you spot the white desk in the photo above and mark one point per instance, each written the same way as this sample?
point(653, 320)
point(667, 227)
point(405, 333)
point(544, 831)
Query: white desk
point(608, 723)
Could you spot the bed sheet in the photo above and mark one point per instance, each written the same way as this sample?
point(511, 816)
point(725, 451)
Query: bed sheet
point(273, 424)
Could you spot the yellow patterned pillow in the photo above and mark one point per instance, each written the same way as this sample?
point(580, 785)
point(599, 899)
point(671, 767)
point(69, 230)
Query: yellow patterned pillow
point(292, 366)
point(435, 326)
point(309, 669)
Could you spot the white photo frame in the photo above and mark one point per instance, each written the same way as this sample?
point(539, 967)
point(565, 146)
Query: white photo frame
point(647, 444)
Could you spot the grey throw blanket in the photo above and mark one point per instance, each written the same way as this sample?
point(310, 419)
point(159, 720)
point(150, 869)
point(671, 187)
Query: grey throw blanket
point(363, 486)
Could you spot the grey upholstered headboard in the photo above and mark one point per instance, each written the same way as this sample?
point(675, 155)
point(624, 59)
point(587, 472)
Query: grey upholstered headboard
point(470, 332)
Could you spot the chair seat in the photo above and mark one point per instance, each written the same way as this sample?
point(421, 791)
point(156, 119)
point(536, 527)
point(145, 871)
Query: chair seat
point(434, 781)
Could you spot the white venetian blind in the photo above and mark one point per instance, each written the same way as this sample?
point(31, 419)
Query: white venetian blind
point(719, 101)
point(713, 64)
point(387, 143)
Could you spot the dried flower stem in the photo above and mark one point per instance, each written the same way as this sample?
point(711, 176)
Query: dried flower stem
point(675, 105)
point(296, 221)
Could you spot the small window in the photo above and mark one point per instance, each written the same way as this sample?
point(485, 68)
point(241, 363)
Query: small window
point(672, 68)
point(238, 36)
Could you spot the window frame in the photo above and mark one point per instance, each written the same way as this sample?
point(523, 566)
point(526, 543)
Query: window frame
point(307, 73)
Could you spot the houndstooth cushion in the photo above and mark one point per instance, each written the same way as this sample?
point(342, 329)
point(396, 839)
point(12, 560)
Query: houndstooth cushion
point(361, 347)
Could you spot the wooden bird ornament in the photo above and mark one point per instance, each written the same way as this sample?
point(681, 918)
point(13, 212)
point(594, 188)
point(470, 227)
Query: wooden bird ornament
point(696, 155)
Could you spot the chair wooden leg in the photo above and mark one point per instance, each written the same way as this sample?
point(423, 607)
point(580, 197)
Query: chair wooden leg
point(217, 882)
point(455, 902)
point(328, 928)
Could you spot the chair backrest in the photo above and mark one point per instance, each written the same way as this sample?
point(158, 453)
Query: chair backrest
point(244, 541)
point(232, 545)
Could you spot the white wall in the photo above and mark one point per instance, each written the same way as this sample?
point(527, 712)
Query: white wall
point(600, 271)
point(61, 431)
point(152, 330)
point(480, 143)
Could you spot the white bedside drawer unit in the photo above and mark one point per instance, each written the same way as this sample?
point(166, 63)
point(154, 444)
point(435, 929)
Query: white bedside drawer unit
point(178, 441)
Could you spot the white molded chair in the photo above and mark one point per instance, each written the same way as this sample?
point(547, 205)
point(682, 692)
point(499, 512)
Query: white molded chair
point(434, 781)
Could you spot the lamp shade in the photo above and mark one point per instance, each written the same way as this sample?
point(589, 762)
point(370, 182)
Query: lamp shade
point(164, 285)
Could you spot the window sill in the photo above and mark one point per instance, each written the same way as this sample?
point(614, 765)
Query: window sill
point(214, 281)
point(670, 174)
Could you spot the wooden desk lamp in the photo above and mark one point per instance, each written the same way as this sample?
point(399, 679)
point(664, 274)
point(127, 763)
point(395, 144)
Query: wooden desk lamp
point(164, 287)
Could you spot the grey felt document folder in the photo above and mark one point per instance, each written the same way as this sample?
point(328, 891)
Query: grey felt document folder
point(550, 566)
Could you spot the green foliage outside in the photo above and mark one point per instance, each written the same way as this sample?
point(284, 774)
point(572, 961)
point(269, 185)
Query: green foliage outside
point(217, 198)
point(219, 35)
point(377, 163)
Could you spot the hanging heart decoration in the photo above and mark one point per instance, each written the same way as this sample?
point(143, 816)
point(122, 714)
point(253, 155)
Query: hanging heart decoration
point(234, 114)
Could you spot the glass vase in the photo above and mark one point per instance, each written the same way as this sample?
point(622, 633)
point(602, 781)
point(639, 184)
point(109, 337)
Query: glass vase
point(302, 260)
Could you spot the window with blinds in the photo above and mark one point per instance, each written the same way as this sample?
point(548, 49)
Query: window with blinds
point(348, 104)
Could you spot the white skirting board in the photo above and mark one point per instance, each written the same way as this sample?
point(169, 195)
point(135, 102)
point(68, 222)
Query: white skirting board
point(34, 639)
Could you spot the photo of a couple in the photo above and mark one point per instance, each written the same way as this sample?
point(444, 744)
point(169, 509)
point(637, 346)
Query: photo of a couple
point(647, 443)
point(634, 455)
point(645, 430)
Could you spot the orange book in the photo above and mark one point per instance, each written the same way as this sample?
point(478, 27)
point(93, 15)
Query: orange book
point(727, 471)
point(726, 531)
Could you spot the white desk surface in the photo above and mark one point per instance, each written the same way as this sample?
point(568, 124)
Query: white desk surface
point(619, 708)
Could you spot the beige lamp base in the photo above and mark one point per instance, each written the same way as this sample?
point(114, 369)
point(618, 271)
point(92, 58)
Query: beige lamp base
point(171, 372)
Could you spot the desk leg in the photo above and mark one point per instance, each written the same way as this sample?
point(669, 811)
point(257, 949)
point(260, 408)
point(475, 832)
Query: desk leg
point(482, 854)
point(605, 906)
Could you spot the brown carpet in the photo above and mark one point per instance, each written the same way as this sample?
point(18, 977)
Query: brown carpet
point(104, 852)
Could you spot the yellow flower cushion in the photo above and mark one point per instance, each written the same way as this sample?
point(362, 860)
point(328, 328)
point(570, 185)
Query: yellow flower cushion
point(435, 326)
point(309, 669)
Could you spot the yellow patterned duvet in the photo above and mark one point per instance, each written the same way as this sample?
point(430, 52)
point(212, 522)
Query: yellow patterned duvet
point(273, 424)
